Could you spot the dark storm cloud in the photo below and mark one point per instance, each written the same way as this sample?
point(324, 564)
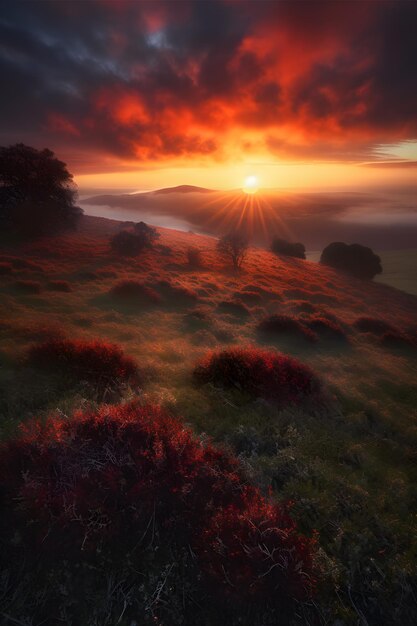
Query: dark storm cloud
point(149, 80)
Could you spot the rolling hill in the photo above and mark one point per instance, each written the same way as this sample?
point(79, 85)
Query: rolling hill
point(347, 463)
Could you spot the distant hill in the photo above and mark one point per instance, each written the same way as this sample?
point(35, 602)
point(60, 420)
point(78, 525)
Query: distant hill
point(182, 189)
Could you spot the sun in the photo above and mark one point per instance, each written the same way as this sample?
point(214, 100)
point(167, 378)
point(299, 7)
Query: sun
point(251, 184)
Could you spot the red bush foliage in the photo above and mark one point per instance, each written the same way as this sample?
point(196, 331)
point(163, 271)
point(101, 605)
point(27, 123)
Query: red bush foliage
point(259, 527)
point(326, 328)
point(285, 325)
point(260, 373)
point(119, 493)
point(373, 325)
point(134, 291)
point(176, 293)
point(103, 365)
point(395, 339)
point(59, 285)
point(29, 287)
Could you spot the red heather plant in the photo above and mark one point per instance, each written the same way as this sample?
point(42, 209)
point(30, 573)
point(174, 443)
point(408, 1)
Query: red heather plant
point(59, 285)
point(103, 365)
point(127, 494)
point(285, 325)
point(260, 373)
point(326, 328)
point(135, 292)
point(373, 325)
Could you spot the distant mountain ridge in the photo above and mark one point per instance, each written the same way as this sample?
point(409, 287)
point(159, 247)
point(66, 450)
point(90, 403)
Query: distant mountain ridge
point(182, 189)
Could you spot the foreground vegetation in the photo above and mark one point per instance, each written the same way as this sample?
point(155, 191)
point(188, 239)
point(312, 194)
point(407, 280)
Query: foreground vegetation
point(340, 462)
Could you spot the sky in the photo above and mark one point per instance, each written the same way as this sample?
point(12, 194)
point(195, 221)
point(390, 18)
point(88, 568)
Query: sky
point(139, 95)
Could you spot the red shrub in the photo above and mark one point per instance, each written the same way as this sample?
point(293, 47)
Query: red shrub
point(395, 339)
point(103, 365)
point(285, 325)
point(59, 285)
point(373, 325)
point(128, 494)
point(326, 328)
point(29, 287)
point(135, 292)
point(175, 293)
point(259, 527)
point(303, 306)
point(260, 373)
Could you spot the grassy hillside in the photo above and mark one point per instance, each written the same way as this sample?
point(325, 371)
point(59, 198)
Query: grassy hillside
point(348, 464)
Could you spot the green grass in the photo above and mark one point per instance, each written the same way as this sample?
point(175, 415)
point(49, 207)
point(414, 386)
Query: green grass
point(349, 464)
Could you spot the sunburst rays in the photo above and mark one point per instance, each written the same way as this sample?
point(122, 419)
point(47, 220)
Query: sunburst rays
point(253, 214)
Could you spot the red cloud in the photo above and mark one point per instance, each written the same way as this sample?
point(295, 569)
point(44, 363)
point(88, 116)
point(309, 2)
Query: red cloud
point(149, 81)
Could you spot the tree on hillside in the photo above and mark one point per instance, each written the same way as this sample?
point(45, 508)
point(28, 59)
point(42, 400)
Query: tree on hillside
point(133, 242)
point(287, 248)
point(37, 192)
point(234, 246)
point(355, 259)
point(147, 234)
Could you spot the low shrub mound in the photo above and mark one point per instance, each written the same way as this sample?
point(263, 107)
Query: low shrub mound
point(135, 292)
point(131, 243)
point(260, 373)
point(29, 287)
point(395, 339)
point(125, 509)
point(176, 294)
point(233, 307)
point(303, 306)
point(326, 328)
point(102, 365)
point(59, 285)
point(288, 248)
point(285, 325)
point(373, 325)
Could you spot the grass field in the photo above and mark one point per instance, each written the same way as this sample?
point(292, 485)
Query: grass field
point(348, 463)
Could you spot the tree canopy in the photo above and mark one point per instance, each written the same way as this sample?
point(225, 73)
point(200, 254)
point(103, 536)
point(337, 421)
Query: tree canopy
point(355, 259)
point(37, 192)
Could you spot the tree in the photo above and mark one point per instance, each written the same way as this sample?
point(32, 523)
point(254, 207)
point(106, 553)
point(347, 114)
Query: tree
point(355, 259)
point(37, 192)
point(147, 234)
point(287, 248)
point(132, 243)
point(234, 245)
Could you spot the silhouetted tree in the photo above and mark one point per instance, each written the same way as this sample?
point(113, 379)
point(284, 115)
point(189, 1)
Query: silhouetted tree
point(131, 243)
point(147, 234)
point(355, 259)
point(37, 192)
point(234, 245)
point(287, 248)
